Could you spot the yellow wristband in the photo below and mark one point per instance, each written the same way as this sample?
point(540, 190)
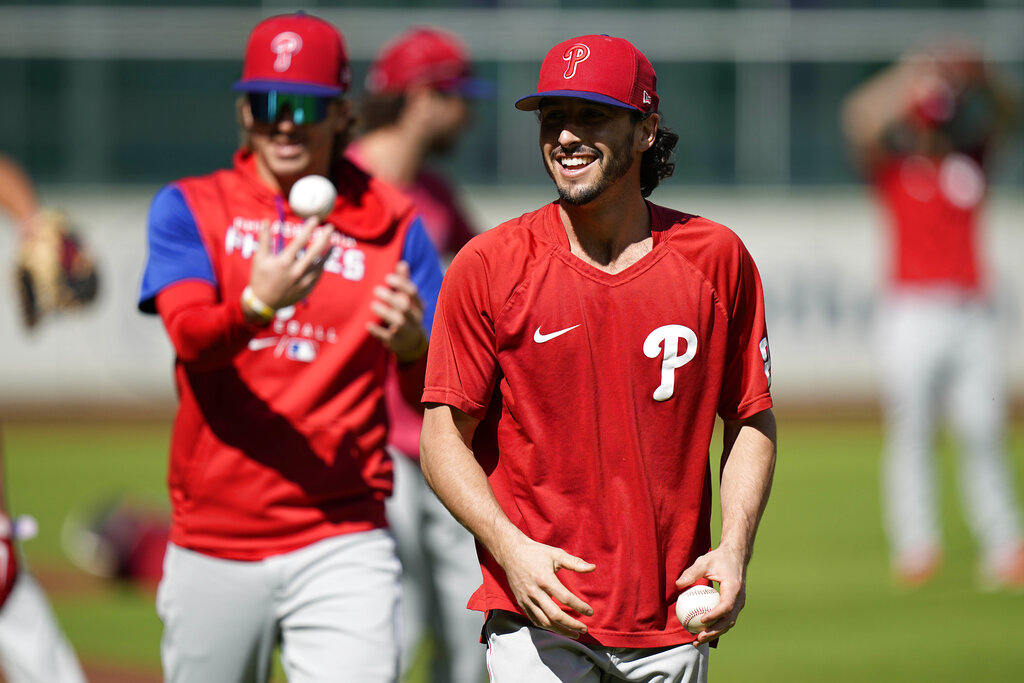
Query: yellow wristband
point(256, 305)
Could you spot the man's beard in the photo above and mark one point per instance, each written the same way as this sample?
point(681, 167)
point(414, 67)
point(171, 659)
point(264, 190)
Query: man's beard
point(620, 162)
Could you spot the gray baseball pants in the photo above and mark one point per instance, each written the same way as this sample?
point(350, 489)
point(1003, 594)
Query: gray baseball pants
point(519, 652)
point(33, 649)
point(440, 571)
point(332, 607)
point(941, 357)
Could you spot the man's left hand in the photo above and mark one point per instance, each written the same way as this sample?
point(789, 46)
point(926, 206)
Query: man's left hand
point(725, 566)
point(400, 309)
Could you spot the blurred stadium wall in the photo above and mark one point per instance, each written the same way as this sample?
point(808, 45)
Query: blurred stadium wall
point(106, 101)
point(817, 250)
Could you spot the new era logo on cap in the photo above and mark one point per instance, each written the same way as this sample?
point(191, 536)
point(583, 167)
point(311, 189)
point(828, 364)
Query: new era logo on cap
point(295, 53)
point(598, 68)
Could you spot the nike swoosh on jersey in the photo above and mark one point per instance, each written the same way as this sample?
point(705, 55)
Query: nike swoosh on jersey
point(261, 343)
point(541, 338)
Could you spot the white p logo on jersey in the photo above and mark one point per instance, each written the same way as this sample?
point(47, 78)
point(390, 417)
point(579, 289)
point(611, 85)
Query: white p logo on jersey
point(667, 337)
point(284, 45)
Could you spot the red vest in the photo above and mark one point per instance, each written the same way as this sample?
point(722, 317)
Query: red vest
point(284, 445)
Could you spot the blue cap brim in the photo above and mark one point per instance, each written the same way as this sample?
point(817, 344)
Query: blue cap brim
point(476, 88)
point(291, 87)
point(532, 102)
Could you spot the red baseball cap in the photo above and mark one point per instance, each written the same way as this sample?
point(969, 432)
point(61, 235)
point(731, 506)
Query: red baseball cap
point(295, 53)
point(597, 68)
point(425, 55)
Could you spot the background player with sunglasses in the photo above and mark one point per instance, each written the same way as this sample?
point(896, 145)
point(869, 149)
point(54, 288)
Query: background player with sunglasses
point(284, 332)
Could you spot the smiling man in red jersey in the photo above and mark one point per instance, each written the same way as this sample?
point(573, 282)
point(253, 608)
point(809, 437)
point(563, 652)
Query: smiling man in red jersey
point(284, 330)
point(582, 354)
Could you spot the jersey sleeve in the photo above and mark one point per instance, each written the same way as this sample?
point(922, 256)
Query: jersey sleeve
point(462, 364)
point(425, 268)
point(204, 331)
point(176, 251)
point(747, 382)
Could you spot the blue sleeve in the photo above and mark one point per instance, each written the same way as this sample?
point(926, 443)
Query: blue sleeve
point(176, 249)
point(425, 268)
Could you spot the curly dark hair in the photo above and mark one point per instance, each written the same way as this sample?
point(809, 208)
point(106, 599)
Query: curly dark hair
point(656, 163)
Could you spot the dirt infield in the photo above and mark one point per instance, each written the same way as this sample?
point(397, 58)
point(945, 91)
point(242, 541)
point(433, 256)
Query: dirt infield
point(58, 582)
point(106, 673)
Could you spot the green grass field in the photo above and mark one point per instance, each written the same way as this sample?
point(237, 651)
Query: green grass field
point(820, 604)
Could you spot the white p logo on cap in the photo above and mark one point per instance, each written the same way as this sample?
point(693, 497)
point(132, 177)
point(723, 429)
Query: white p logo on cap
point(284, 45)
point(574, 55)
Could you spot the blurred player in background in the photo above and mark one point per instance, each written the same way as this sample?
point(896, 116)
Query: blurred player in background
point(32, 647)
point(419, 92)
point(580, 355)
point(121, 537)
point(284, 329)
point(54, 273)
point(923, 131)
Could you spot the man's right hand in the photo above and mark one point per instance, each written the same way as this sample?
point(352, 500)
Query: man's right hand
point(282, 278)
point(531, 570)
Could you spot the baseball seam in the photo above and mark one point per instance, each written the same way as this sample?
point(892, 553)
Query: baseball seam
point(697, 612)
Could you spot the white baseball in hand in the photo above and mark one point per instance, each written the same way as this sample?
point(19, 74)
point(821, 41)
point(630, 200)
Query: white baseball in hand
point(312, 195)
point(693, 604)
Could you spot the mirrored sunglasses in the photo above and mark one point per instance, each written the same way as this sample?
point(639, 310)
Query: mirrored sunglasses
point(268, 107)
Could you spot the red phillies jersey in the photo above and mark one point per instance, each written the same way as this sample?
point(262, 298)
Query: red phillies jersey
point(933, 206)
point(279, 440)
point(598, 395)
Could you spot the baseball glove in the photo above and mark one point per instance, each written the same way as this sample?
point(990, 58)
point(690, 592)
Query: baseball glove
point(54, 272)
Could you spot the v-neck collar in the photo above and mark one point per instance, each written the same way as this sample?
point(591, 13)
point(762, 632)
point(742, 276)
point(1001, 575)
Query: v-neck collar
point(554, 226)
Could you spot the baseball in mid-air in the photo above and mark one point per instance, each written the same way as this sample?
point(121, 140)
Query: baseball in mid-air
point(312, 195)
point(693, 604)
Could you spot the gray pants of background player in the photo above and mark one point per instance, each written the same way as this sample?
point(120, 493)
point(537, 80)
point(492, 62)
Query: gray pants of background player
point(519, 652)
point(332, 606)
point(32, 647)
point(440, 571)
point(941, 354)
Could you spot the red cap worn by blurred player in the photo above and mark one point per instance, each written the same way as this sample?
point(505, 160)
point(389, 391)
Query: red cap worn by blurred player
point(298, 54)
point(425, 56)
point(598, 68)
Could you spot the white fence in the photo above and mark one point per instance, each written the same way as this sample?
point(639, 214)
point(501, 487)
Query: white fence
point(819, 253)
